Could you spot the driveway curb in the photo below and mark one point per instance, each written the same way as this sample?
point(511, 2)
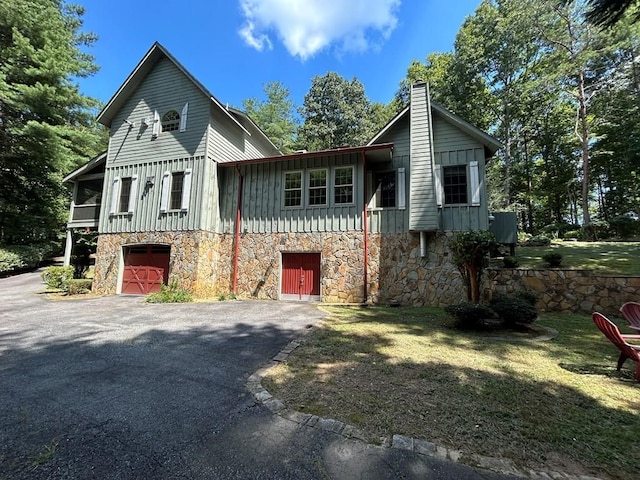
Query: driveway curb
point(421, 447)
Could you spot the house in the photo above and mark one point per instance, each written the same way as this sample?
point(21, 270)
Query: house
point(194, 191)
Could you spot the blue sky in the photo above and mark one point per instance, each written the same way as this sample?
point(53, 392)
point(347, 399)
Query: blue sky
point(234, 47)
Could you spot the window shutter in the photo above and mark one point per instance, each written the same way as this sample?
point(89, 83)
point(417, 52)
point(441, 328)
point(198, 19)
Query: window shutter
point(155, 129)
point(164, 196)
point(115, 195)
point(439, 191)
point(183, 117)
point(133, 194)
point(402, 196)
point(186, 189)
point(475, 183)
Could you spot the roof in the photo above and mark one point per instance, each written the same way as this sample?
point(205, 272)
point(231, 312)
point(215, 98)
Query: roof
point(491, 143)
point(377, 152)
point(136, 77)
point(86, 168)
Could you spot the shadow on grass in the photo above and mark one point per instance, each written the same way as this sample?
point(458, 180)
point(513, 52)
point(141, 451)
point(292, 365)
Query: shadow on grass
point(460, 400)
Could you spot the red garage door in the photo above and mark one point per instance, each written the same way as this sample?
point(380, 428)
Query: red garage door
point(301, 276)
point(146, 268)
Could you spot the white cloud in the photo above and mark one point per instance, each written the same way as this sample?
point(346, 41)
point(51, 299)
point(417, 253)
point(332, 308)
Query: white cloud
point(307, 26)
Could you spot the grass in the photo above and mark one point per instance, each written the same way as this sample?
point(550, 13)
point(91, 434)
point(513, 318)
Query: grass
point(609, 258)
point(557, 405)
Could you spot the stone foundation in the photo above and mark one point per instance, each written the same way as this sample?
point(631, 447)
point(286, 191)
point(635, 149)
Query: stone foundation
point(192, 260)
point(567, 290)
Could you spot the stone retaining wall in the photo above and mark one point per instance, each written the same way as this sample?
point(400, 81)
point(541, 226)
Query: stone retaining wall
point(567, 290)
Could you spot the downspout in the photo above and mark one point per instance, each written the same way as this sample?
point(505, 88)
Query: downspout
point(423, 244)
point(236, 252)
point(364, 220)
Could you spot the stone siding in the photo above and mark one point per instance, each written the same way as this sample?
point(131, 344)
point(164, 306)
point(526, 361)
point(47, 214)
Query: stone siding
point(567, 290)
point(192, 260)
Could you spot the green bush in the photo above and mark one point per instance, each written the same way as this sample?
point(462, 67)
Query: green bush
point(57, 277)
point(537, 241)
point(17, 257)
point(469, 315)
point(624, 226)
point(529, 296)
point(552, 259)
point(510, 262)
point(573, 234)
point(77, 286)
point(513, 310)
point(172, 293)
point(596, 230)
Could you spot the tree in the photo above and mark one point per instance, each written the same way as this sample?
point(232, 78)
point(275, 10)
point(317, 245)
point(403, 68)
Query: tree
point(275, 115)
point(609, 12)
point(46, 124)
point(470, 252)
point(335, 113)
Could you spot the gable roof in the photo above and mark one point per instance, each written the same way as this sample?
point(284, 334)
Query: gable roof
point(491, 144)
point(86, 168)
point(137, 76)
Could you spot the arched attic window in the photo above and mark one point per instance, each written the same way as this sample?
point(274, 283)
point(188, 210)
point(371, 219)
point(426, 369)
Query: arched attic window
point(170, 121)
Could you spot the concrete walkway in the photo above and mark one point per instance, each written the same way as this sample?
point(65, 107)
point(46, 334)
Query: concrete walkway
point(113, 388)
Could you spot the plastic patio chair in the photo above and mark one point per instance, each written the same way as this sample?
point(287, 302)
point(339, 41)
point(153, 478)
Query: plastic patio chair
point(631, 313)
point(611, 331)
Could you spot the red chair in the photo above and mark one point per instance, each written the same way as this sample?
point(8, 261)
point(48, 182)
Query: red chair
point(631, 313)
point(611, 331)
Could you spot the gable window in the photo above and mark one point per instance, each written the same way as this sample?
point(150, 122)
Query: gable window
point(454, 183)
point(385, 184)
point(177, 184)
point(343, 185)
point(293, 189)
point(125, 195)
point(318, 187)
point(170, 121)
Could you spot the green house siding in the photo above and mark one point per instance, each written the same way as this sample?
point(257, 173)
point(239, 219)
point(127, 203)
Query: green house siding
point(263, 209)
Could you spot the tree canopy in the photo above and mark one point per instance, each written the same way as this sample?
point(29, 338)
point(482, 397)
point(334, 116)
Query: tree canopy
point(46, 124)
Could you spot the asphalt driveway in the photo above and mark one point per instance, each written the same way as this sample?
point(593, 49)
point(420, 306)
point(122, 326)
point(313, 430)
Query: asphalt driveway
point(113, 388)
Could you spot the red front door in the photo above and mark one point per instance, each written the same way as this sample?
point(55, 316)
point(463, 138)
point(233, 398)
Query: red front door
point(146, 268)
point(300, 275)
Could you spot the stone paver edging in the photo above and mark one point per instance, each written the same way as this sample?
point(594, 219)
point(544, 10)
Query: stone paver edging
point(422, 447)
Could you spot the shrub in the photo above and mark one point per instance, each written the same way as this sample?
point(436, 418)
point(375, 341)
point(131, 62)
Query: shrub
point(469, 314)
point(552, 259)
point(596, 230)
point(510, 262)
point(513, 310)
point(470, 250)
point(538, 241)
point(16, 257)
point(172, 293)
point(624, 226)
point(57, 277)
point(573, 234)
point(77, 286)
point(529, 296)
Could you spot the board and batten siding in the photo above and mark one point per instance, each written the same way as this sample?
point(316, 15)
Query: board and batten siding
point(164, 88)
point(146, 215)
point(392, 220)
point(423, 212)
point(453, 147)
point(263, 209)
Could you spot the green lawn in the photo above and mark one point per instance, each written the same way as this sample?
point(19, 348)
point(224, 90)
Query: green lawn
point(557, 405)
point(610, 258)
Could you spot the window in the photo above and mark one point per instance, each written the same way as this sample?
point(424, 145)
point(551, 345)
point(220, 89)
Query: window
point(170, 121)
point(343, 185)
point(125, 195)
point(177, 183)
point(455, 184)
point(385, 183)
point(89, 192)
point(317, 187)
point(293, 189)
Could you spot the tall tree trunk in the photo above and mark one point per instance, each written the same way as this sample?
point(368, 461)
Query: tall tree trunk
point(583, 134)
